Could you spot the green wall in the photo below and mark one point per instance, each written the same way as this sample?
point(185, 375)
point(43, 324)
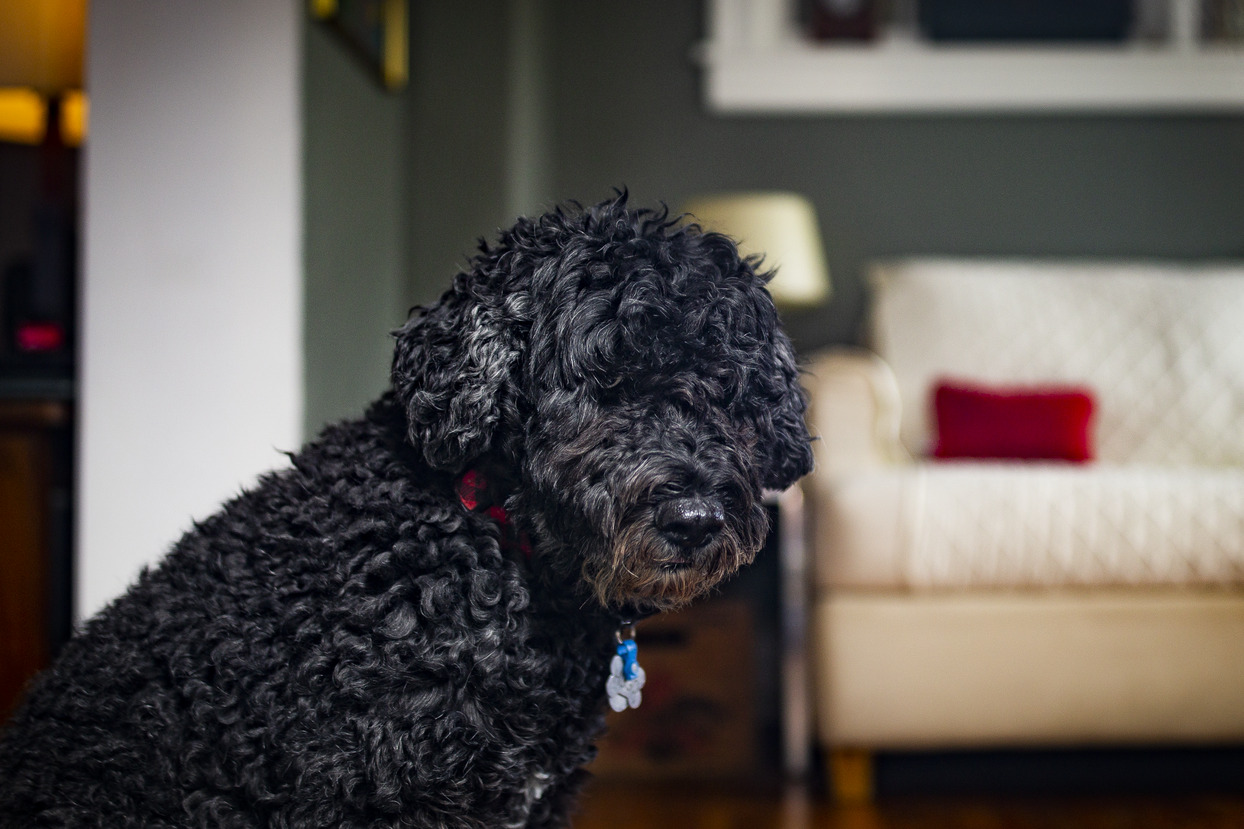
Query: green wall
point(456, 168)
point(478, 129)
point(354, 154)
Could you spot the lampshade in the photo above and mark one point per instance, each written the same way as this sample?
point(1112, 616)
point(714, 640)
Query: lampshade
point(24, 113)
point(41, 44)
point(782, 227)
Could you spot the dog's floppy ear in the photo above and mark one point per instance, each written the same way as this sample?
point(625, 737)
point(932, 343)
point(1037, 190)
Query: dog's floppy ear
point(785, 447)
point(452, 370)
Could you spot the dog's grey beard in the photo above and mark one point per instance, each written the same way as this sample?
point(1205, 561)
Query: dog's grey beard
point(635, 570)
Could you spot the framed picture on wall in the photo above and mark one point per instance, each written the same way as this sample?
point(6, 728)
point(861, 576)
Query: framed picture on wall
point(374, 30)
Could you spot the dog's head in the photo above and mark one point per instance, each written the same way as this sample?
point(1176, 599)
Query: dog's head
point(630, 375)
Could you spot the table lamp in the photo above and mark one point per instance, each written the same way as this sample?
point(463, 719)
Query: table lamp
point(41, 55)
point(782, 228)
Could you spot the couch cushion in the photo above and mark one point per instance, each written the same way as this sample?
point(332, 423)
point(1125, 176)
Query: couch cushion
point(1029, 423)
point(1014, 525)
point(1161, 347)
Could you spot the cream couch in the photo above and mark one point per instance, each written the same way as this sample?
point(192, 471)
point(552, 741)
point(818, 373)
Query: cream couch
point(995, 603)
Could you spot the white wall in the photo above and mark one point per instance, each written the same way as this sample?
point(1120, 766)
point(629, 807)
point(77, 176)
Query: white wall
point(191, 375)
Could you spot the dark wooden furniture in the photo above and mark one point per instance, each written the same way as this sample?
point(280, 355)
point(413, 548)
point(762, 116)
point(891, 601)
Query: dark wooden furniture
point(34, 533)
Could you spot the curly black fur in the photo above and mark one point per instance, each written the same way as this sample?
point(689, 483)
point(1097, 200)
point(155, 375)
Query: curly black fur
point(347, 645)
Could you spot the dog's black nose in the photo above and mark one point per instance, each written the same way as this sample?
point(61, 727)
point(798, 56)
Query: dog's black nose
point(690, 522)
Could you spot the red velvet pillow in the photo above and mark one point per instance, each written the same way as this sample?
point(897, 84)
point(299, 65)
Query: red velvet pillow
point(1016, 423)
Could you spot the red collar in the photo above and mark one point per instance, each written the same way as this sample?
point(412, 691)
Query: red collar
point(473, 494)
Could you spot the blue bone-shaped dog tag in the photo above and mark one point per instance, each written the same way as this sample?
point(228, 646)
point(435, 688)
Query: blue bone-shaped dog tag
point(630, 658)
point(626, 677)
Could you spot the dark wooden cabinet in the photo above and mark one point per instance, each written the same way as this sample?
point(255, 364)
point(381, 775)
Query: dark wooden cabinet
point(35, 447)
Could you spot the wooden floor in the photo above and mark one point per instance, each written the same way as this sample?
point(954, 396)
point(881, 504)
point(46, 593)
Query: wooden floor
point(644, 806)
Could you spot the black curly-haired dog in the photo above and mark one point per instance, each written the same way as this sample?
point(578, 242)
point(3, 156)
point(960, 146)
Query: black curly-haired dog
point(350, 644)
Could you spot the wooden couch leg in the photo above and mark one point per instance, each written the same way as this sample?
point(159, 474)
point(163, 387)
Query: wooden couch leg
point(851, 776)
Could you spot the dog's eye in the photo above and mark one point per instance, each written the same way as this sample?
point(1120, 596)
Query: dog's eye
point(611, 390)
point(665, 491)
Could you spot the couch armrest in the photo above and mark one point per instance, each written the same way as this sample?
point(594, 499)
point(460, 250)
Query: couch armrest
point(854, 412)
